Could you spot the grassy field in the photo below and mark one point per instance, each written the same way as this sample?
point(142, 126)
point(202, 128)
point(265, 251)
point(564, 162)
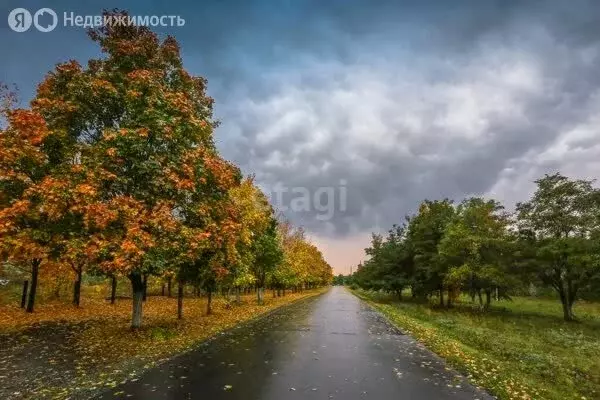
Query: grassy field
point(520, 349)
point(62, 352)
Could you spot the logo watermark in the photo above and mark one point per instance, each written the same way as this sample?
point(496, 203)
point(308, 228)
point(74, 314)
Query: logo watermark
point(324, 201)
point(20, 20)
point(46, 20)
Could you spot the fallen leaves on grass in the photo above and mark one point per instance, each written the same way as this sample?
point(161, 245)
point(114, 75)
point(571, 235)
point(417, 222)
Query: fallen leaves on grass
point(480, 371)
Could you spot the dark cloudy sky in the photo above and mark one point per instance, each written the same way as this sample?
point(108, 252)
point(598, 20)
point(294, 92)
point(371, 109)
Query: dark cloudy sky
point(402, 100)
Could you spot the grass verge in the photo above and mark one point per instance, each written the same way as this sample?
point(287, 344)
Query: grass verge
point(520, 349)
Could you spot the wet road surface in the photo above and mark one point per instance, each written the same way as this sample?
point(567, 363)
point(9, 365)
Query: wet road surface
point(330, 347)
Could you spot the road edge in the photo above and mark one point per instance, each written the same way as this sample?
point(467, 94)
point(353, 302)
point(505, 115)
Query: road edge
point(456, 369)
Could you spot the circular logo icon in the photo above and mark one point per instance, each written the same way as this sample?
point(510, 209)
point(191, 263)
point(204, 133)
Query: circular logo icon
point(19, 20)
point(45, 20)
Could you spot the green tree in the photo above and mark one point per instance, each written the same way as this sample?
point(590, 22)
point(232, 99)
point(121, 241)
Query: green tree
point(425, 232)
point(341, 279)
point(268, 256)
point(390, 265)
point(398, 261)
point(561, 220)
point(475, 246)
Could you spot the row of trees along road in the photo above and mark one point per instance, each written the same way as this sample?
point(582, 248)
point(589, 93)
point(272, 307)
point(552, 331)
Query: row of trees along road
point(113, 170)
point(477, 247)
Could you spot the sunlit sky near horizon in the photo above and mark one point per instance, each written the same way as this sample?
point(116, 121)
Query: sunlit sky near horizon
point(403, 100)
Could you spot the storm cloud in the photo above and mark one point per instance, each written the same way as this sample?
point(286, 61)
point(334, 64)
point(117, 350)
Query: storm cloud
point(471, 100)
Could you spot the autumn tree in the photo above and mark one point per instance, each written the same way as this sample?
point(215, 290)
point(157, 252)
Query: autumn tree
point(290, 270)
point(25, 229)
point(143, 129)
point(255, 217)
point(303, 265)
point(33, 191)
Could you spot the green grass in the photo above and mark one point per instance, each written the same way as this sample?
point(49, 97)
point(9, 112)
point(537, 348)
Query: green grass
point(520, 349)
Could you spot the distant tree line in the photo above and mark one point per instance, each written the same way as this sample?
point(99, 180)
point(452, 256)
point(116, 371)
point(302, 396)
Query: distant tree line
point(341, 280)
point(476, 247)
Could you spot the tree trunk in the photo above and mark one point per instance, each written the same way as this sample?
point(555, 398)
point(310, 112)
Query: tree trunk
point(24, 294)
point(238, 295)
point(442, 297)
point(567, 305)
point(209, 303)
point(145, 283)
point(113, 290)
point(162, 290)
point(77, 287)
point(488, 299)
point(35, 269)
point(259, 296)
point(169, 286)
point(180, 300)
point(568, 312)
point(137, 288)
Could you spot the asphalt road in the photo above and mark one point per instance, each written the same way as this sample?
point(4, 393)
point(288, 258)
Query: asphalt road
point(330, 347)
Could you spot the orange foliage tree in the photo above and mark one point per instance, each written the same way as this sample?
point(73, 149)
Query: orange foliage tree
point(27, 222)
point(142, 133)
point(114, 168)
